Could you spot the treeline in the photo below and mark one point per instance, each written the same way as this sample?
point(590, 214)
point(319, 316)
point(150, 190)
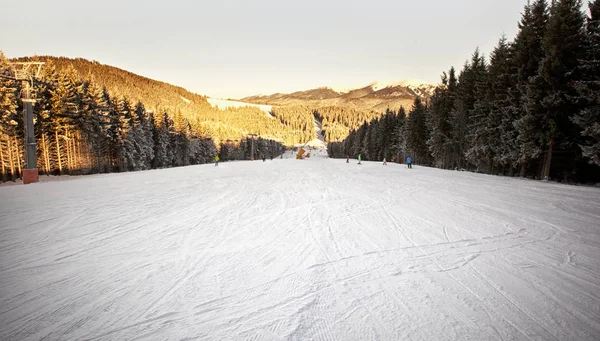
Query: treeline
point(158, 97)
point(243, 150)
point(532, 109)
point(337, 122)
point(83, 128)
point(383, 137)
point(299, 121)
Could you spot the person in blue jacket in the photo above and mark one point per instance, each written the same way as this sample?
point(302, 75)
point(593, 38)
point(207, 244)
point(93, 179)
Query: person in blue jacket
point(409, 162)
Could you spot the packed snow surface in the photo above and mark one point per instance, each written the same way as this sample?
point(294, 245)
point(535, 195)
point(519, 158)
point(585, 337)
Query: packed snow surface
point(313, 249)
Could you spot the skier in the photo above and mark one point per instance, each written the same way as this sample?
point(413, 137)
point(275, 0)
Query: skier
point(348, 159)
point(264, 158)
point(384, 162)
point(359, 159)
point(217, 160)
point(409, 162)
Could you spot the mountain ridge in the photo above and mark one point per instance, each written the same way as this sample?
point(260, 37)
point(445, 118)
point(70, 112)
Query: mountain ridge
point(376, 96)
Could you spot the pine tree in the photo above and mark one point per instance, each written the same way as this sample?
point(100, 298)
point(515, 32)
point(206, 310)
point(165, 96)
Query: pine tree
point(511, 110)
point(476, 95)
point(63, 112)
point(559, 71)
point(491, 88)
point(94, 106)
point(126, 148)
point(463, 106)
point(163, 152)
point(8, 121)
point(441, 107)
point(398, 142)
point(527, 56)
point(417, 133)
point(588, 120)
point(499, 122)
point(142, 138)
point(384, 135)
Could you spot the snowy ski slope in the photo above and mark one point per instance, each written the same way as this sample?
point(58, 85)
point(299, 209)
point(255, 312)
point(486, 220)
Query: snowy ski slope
point(290, 249)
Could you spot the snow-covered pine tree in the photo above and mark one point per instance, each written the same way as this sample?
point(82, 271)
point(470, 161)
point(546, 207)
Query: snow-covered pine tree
point(126, 148)
point(478, 150)
point(163, 152)
point(142, 138)
point(499, 102)
point(63, 109)
point(95, 126)
point(508, 154)
point(8, 112)
point(463, 106)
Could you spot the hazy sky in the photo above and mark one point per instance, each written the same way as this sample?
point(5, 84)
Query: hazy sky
point(238, 48)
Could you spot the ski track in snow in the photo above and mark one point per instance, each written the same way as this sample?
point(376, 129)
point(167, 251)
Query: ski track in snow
point(289, 249)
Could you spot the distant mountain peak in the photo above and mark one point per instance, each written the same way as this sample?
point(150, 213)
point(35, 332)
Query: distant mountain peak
point(377, 95)
point(408, 83)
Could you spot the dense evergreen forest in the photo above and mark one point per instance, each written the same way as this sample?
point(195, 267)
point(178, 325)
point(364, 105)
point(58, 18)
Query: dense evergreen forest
point(230, 124)
point(83, 127)
point(337, 122)
point(532, 109)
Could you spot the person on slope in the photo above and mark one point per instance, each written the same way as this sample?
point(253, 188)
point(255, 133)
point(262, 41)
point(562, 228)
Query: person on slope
point(409, 162)
point(348, 159)
point(217, 160)
point(384, 162)
point(359, 159)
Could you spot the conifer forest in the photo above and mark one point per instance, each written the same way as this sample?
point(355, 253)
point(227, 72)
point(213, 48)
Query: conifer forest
point(531, 109)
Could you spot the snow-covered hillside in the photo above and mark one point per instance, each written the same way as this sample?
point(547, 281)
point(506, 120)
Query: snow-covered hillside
point(422, 88)
point(288, 249)
point(225, 103)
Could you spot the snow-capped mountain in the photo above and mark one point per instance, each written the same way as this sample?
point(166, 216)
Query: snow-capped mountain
point(420, 88)
point(377, 95)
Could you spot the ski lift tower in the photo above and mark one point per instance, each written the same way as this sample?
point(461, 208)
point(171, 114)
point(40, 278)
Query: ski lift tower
point(26, 72)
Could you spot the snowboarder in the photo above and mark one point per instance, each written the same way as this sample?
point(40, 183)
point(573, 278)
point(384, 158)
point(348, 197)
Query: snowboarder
point(217, 160)
point(359, 159)
point(348, 159)
point(409, 162)
point(384, 162)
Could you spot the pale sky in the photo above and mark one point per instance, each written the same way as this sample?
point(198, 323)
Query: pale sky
point(233, 49)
